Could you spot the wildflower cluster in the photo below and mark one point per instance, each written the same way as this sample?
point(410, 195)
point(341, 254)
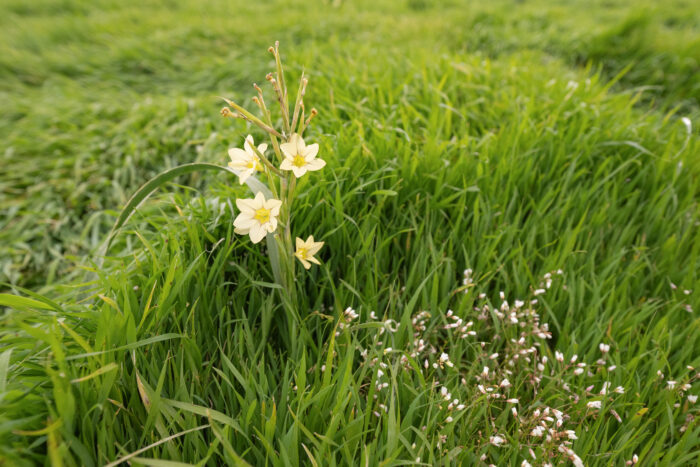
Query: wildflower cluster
point(535, 399)
point(291, 158)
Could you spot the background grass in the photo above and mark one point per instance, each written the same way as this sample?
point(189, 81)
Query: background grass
point(513, 138)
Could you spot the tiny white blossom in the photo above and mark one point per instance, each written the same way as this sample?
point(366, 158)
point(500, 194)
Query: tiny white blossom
point(594, 404)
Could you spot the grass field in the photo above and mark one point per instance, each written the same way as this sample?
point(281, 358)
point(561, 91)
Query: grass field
point(549, 147)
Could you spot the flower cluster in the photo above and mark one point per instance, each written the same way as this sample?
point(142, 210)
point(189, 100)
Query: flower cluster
point(291, 159)
point(510, 370)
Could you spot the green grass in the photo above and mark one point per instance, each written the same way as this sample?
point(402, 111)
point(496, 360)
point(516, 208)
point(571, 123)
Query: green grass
point(510, 138)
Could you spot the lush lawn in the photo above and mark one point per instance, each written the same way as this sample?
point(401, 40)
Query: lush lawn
point(515, 139)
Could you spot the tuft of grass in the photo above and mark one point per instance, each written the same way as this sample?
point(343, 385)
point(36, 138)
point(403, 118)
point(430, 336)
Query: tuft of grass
point(444, 153)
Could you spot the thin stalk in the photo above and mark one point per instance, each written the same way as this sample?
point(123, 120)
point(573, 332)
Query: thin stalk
point(300, 96)
point(252, 118)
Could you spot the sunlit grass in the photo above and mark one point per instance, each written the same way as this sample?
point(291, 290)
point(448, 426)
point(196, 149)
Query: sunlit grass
point(445, 152)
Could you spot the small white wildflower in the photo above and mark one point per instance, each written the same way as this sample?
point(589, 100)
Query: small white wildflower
point(505, 383)
point(671, 384)
point(538, 292)
point(620, 390)
point(693, 399)
point(525, 464)
point(604, 348)
point(578, 371)
point(571, 434)
point(496, 440)
point(559, 356)
point(594, 404)
point(512, 401)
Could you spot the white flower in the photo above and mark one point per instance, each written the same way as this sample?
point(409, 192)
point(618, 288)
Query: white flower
point(671, 384)
point(306, 251)
point(604, 348)
point(496, 440)
point(692, 399)
point(594, 404)
point(300, 158)
point(246, 162)
point(258, 217)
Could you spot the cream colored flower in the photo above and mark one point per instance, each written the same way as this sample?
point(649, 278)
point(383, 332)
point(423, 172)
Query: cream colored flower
point(306, 251)
point(300, 158)
point(246, 162)
point(258, 217)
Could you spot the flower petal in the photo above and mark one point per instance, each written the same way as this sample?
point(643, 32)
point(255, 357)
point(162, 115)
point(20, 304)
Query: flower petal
point(257, 233)
point(259, 200)
point(310, 152)
point(289, 149)
point(244, 221)
point(241, 231)
point(248, 145)
point(237, 154)
point(299, 243)
point(313, 260)
point(271, 225)
point(273, 205)
point(298, 171)
point(246, 205)
point(316, 164)
point(286, 164)
point(262, 148)
point(313, 249)
point(244, 174)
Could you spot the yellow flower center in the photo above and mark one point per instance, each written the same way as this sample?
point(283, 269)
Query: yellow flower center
point(299, 161)
point(254, 165)
point(262, 215)
point(302, 253)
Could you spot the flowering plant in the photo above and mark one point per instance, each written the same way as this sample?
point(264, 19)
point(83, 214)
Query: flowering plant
point(268, 213)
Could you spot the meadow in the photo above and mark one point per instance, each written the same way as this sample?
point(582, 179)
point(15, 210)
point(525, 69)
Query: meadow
point(509, 210)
